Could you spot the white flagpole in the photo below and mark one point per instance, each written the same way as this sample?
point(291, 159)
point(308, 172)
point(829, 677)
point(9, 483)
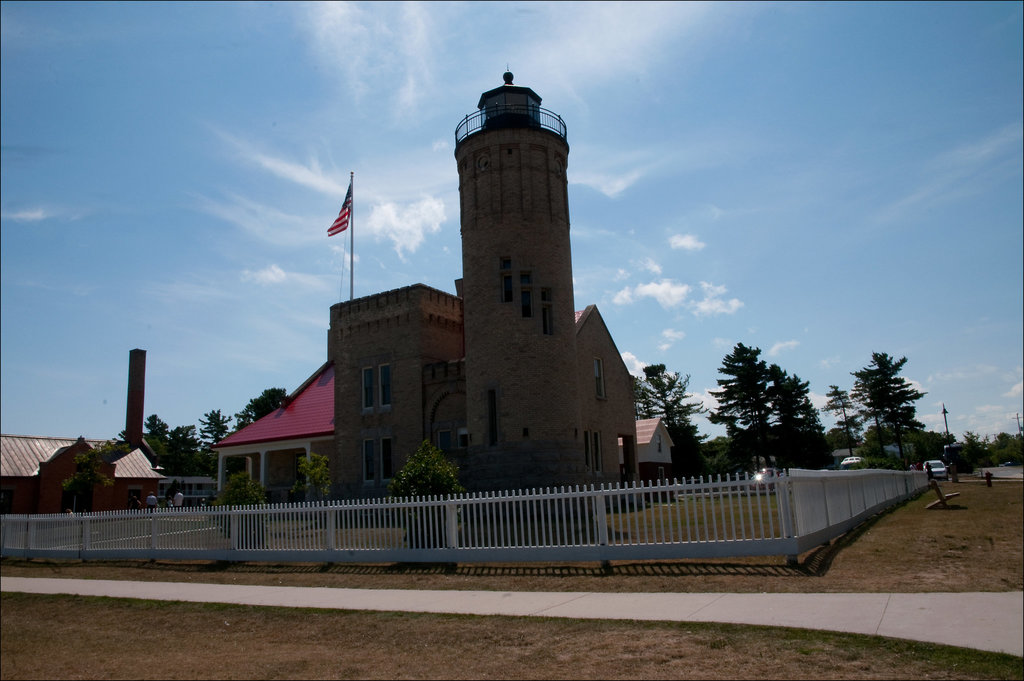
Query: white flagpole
point(352, 238)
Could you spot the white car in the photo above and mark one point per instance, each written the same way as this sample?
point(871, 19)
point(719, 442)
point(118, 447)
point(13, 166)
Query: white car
point(939, 471)
point(849, 462)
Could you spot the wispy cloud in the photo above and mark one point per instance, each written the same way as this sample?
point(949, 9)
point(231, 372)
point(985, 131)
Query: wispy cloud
point(961, 171)
point(686, 242)
point(27, 215)
point(263, 222)
point(782, 346)
point(670, 337)
point(273, 275)
point(309, 175)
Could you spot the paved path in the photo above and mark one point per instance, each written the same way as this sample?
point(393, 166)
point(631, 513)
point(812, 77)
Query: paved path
point(985, 621)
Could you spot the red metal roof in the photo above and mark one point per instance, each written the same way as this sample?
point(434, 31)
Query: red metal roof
point(307, 412)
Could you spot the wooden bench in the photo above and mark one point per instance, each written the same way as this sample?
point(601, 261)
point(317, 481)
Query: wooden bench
point(943, 498)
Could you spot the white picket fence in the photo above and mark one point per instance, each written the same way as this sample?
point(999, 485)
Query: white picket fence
point(724, 517)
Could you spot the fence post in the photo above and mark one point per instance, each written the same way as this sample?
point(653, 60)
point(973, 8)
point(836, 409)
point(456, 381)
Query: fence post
point(451, 512)
point(330, 526)
point(601, 516)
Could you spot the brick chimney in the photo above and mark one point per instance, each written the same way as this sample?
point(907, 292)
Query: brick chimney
point(136, 397)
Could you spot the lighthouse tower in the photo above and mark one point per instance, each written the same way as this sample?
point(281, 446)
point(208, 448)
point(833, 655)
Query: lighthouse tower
point(522, 380)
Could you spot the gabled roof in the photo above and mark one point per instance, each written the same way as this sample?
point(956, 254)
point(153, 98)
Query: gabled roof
point(307, 412)
point(20, 456)
point(645, 431)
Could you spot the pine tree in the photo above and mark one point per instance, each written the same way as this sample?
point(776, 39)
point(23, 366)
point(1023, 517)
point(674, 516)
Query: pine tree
point(887, 396)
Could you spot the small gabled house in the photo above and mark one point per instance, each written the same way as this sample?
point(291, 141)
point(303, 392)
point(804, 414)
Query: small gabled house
point(653, 450)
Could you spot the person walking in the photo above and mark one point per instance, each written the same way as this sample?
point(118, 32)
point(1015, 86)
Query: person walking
point(179, 499)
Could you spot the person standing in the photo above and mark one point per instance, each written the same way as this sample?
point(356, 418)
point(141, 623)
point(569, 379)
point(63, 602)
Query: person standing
point(179, 499)
point(151, 501)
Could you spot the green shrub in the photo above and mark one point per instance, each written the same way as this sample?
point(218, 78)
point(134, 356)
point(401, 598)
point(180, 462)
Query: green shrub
point(427, 472)
point(241, 490)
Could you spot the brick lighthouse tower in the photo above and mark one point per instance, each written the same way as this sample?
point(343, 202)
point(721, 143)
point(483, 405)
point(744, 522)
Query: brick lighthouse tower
point(522, 378)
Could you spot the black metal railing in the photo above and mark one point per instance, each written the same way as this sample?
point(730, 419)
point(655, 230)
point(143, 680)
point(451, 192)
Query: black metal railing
point(496, 117)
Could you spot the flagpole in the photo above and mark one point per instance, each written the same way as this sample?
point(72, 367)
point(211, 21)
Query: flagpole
point(352, 238)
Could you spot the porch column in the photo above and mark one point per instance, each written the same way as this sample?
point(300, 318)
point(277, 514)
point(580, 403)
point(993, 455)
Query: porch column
point(263, 467)
point(220, 471)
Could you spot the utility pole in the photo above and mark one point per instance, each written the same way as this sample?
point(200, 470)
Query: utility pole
point(944, 412)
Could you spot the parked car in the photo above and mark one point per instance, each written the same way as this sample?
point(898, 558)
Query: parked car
point(849, 462)
point(938, 467)
point(764, 479)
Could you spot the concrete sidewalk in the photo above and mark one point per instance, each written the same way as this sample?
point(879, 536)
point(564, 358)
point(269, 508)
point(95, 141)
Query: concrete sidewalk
point(985, 621)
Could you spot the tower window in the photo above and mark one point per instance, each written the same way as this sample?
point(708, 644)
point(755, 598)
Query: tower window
point(387, 469)
point(599, 377)
point(368, 472)
point(385, 385)
point(368, 388)
point(596, 451)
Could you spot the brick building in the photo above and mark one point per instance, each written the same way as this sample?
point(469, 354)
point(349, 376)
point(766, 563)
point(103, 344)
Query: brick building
point(516, 385)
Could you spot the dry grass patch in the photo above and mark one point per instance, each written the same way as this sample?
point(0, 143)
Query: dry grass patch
point(122, 639)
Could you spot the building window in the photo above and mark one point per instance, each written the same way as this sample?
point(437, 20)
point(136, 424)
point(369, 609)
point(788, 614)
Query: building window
point(545, 312)
point(526, 294)
point(444, 440)
point(368, 472)
point(368, 388)
point(385, 385)
point(596, 451)
point(599, 377)
point(657, 442)
point(492, 417)
point(387, 470)
point(506, 280)
point(463, 438)
point(586, 449)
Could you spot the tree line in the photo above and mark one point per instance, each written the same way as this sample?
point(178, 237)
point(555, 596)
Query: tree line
point(770, 420)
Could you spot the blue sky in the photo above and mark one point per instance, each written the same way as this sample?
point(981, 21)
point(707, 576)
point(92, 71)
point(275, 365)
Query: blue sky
point(819, 180)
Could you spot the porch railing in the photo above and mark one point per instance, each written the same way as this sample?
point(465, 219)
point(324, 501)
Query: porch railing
point(724, 517)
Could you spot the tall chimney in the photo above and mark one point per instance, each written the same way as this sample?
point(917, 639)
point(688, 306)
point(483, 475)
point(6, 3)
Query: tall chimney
point(136, 397)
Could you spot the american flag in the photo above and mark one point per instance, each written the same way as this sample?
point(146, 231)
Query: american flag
point(341, 222)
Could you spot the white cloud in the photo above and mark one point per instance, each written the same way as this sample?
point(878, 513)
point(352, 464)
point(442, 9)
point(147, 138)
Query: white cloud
point(670, 336)
point(264, 222)
point(611, 185)
point(32, 215)
point(268, 275)
point(651, 266)
point(310, 175)
point(668, 293)
point(713, 303)
point(406, 226)
point(687, 242)
point(633, 365)
point(1016, 391)
point(781, 346)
